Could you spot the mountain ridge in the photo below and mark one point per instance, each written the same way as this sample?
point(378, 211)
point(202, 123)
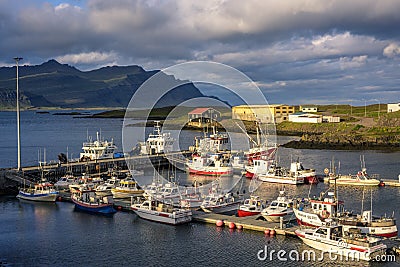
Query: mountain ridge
point(56, 85)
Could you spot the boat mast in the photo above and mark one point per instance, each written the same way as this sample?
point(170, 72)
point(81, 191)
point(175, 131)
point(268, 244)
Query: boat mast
point(17, 59)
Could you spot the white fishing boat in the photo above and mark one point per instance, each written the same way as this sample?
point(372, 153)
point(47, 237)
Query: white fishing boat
point(104, 189)
point(64, 182)
point(348, 244)
point(315, 212)
point(98, 149)
point(258, 166)
point(44, 192)
point(215, 142)
point(157, 142)
point(154, 210)
point(213, 164)
point(127, 188)
point(218, 202)
point(282, 206)
point(278, 174)
point(168, 193)
point(359, 179)
point(251, 206)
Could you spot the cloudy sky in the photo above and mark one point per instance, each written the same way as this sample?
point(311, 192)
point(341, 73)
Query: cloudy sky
point(302, 51)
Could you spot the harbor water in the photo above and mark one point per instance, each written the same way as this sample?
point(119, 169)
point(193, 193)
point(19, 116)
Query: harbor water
point(44, 234)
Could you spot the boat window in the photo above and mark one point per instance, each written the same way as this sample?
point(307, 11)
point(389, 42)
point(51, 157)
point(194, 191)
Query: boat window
point(282, 205)
point(274, 204)
point(321, 231)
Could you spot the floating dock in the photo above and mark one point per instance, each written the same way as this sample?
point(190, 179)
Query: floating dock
point(254, 223)
point(392, 183)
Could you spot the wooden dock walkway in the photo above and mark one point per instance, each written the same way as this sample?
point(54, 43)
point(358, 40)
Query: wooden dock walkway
point(253, 223)
point(391, 182)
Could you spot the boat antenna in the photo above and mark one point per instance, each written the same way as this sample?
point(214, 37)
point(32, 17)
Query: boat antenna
point(371, 202)
point(362, 200)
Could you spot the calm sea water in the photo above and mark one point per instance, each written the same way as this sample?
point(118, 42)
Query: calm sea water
point(42, 234)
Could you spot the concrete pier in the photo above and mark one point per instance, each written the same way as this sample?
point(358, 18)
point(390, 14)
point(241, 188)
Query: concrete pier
point(11, 178)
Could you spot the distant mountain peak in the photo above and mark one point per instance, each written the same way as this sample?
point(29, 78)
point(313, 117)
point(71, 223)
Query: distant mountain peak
point(53, 65)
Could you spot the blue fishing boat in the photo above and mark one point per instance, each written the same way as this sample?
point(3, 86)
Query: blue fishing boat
point(87, 200)
point(43, 192)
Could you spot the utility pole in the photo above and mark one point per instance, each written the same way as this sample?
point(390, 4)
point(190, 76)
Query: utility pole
point(17, 59)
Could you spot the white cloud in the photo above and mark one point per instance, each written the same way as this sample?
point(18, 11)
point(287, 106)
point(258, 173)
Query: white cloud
point(91, 57)
point(392, 50)
point(354, 62)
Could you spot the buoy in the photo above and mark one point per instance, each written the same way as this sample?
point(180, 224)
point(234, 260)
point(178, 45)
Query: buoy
point(232, 225)
point(59, 199)
point(119, 208)
point(219, 223)
point(239, 227)
point(266, 231)
point(381, 183)
point(272, 232)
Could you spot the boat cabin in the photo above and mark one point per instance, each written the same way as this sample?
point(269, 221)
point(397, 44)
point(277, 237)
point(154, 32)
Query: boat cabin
point(253, 203)
point(326, 206)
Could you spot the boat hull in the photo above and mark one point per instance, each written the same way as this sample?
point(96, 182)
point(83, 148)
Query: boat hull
point(230, 207)
point(245, 213)
point(50, 197)
point(281, 180)
point(211, 172)
point(94, 208)
point(126, 194)
point(163, 217)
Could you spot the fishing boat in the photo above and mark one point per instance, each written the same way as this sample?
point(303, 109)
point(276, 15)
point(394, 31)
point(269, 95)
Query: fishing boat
point(43, 191)
point(258, 166)
point(217, 202)
point(212, 164)
point(359, 179)
point(98, 149)
point(104, 189)
point(127, 188)
point(168, 193)
point(282, 206)
point(251, 206)
point(278, 174)
point(260, 147)
point(88, 200)
point(157, 142)
point(349, 244)
point(215, 142)
point(64, 182)
point(315, 212)
point(154, 210)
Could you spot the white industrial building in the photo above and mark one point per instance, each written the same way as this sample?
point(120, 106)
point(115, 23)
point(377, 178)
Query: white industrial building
point(305, 118)
point(312, 118)
point(393, 107)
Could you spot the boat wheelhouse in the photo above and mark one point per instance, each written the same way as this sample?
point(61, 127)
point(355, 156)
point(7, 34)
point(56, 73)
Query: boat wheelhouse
point(157, 142)
point(98, 149)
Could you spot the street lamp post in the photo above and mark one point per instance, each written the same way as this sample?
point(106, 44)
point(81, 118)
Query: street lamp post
point(17, 59)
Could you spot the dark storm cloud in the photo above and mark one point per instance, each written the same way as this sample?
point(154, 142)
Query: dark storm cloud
point(286, 46)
